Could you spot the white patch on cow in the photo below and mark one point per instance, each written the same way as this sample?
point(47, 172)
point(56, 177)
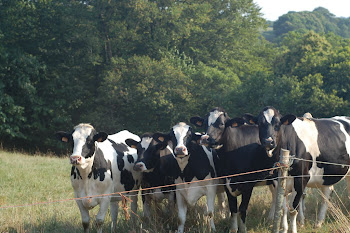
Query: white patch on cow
point(180, 131)
point(269, 114)
point(213, 116)
point(308, 134)
point(210, 157)
point(81, 132)
point(347, 136)
point(234, 193)
point(146, 141)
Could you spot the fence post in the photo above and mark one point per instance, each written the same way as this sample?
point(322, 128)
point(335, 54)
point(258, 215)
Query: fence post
point(282, 174)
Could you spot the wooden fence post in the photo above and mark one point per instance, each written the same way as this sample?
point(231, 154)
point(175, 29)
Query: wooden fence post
point(282, 174)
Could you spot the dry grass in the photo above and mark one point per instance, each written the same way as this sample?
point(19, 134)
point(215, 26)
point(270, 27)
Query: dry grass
point(28, 179)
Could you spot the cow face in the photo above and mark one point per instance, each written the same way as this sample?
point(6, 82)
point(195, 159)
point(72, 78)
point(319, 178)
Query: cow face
point(83, 140)
point(181, 136)
point(148, 152)
point(269, 122)
point(215, 123)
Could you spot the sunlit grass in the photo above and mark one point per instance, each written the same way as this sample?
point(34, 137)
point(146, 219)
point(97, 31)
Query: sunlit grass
point(27, 179)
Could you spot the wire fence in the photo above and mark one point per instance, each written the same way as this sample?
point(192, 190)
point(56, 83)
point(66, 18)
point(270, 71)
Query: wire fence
point(131, 193)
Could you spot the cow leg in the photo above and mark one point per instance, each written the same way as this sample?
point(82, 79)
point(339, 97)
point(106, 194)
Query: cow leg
point(348, 183)
point(134, 198)
point(85, 217)
point(146, 201)
point(114, 214)
point(301, 211)
point(284, 222)
point(221, 202)
point(273, 190)
point(182, 211)
point(232, 201)
point(246, 195)
point(327, 191)
point(100, 217)
point(211, 193)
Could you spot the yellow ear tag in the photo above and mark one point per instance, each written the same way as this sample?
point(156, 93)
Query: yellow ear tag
point(64, 139)
point(161, 139)
point(133, 146)
point(199, 123)
point(251, 122)
point(234, 124)
point(286, 122)
point(99, 139)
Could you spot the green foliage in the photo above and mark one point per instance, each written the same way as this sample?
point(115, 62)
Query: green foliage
point(145, 65)
point(319, 20)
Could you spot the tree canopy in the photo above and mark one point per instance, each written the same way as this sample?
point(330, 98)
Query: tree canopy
point(145, 65)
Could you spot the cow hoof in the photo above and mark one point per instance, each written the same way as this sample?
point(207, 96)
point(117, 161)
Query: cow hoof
point(318, 225)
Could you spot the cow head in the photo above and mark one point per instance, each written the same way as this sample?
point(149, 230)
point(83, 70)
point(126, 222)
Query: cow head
point(148, 152)
point(180, 136)
point(83, 140)
point(269, 122)
point(215, 123)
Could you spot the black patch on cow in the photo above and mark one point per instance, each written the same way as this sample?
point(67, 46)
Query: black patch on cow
point(130, 159)
point(120, 148)
point(127, 180)
point(198, 164)
point(345, 124)
point(100, 166)
point(75, 173)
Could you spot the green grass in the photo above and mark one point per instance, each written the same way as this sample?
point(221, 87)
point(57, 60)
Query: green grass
point(27, 179)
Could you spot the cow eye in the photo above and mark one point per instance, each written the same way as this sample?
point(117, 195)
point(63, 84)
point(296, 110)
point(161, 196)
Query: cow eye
point(277, 127)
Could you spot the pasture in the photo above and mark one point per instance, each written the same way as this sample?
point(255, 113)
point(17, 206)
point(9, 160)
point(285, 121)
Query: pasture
point(27, 179)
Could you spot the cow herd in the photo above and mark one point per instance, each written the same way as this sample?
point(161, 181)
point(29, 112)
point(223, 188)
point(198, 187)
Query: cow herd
point(185, 165)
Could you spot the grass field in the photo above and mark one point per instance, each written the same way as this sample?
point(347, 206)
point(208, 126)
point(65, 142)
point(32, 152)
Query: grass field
point(28, 179)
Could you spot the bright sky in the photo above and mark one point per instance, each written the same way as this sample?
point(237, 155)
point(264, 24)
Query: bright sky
point(272, 9)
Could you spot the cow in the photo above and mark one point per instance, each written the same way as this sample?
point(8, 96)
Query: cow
point(101, 164)
point(194, 163)
point(321, 148)
point(239, 150)
point(153, 160)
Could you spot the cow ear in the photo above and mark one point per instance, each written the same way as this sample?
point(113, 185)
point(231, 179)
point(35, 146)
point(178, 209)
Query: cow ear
point(250, 119)
point(235, 122)
point(131, 142)
point(63, 136)
point(100, 137)
point(287, 119)
point(160, 137)
point(197, 121)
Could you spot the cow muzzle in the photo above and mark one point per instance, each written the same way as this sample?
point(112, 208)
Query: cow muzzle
point(181, 151)
point(206, 140)
point(139, 167)
point(269, 143)
point(75, 159)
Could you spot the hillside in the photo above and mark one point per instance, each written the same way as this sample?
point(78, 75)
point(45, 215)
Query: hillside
point(320, 20)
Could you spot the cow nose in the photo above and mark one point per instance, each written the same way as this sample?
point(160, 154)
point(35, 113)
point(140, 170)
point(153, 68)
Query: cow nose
point(75, 159)
point(138, 167)
point(181, 150)
point(204, 139)
point(269, 143)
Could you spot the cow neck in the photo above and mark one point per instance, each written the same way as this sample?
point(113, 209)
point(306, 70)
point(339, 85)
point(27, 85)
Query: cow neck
point(86, 168)
point(182, 162)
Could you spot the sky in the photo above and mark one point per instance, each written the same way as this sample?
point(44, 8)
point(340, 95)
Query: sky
point(272, 9)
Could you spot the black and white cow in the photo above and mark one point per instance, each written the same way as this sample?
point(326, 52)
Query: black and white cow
point(194, 163)
point(315, 143)
point(102, 164)
point(239, 151)
point(154, 159)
